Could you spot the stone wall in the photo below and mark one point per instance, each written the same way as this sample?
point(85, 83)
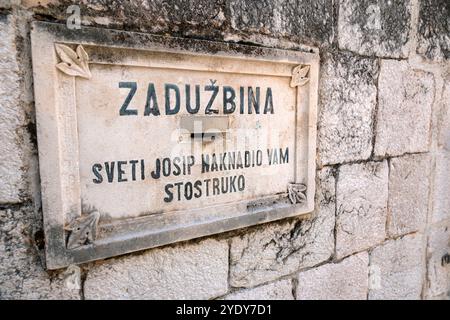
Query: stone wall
point(382, 219)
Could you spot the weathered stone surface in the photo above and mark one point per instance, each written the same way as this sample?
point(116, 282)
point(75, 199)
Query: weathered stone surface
point(22, 275)
point(438, 275)
point(361, 202)
point(347, 102)
point(12, 117)
point(444, 297)
point(8, 4)
point(397, 269)
point(277, 249)
point(371, 27)
point(444, 117)
point(441, 194)
point(177, 17)
point(405, 100)
point(434, 29)
point(279, 290)
point(346, 280)
point(308, 20)
point(189, 271)
point(409, 184)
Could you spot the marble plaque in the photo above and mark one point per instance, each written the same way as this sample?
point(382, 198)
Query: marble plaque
point(147, 140)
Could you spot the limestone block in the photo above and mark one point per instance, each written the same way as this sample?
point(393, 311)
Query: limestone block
point(278, 290)
point(177, 16)
point(347, 102)
point(444, 117)
point(441, 194)
point(188, 271)
point(405, 101)
point(409, 184)
point(12, 117)
point(270, 251)
point(371, 27)
point(22, 274)
point(438, 274)
point(308, 20)
point(346, 280)
point(361, 201)
point(397, 269)
point(434, 29)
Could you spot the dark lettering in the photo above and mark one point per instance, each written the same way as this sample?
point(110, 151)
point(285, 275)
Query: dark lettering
point(120, 171)
point(188, 99)
point(197, 186)
point(178, 185)
point(253, 101)
point(166, 167)
point(284, 157)
point(228, 100)
point(156, 174)
point(241, 103)
point(151, 105)
point(268, 105)
point(110, 171)
point(96, 168)
point(123, 110)
point(133, 169)
point(168, 189)
point(216, 190)
point(177, 170)
point(241, 183)
point(188, 191)
point(167, 88)
point(215, 90)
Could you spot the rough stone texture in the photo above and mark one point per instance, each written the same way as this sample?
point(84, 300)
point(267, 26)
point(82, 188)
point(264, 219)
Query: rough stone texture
point(397, 269)
point(12, 117)
point(310, 21)
point(438, 275)
point(405, 101)
point(191, 271)
point(443, 297)
point(22, 275)
point(268, 252)
point(347, 119)
point(444, 117)
point(434, 29)
point(7, 4)
point(409, 184)
point(176, 17)
point(279, 290)
point(361, 202)
point(371, 27)
point(441, 193)
point(347, 102)
point(346, 280)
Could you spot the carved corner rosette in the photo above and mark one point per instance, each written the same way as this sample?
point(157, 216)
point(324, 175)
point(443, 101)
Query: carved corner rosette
point(83, 230)
point(297, 193)
point(73, 63)
point(300, 76)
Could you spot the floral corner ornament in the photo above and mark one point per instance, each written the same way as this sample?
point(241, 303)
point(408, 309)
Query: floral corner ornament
point(297, 192)
point(83, 230)
point(73, 63)
point(299, 76)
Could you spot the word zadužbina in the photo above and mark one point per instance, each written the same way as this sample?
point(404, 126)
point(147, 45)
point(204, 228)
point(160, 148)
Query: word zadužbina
point(231, 99)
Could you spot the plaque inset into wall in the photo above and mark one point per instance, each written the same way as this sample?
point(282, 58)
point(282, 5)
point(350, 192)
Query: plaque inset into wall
point(147, 140)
